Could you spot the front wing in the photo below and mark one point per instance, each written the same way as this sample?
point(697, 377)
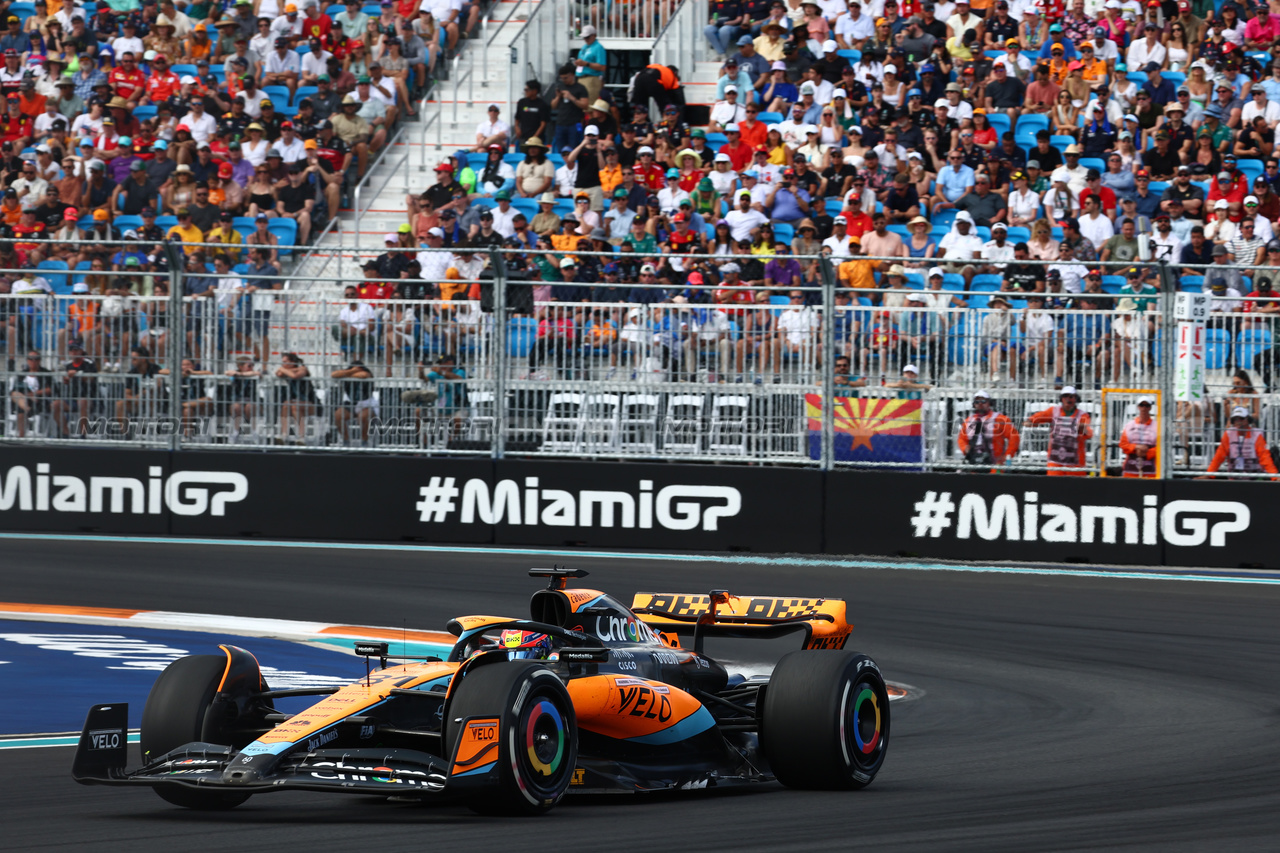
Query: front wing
point(102, 756)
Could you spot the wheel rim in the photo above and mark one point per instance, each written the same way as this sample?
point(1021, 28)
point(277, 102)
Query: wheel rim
point(545, 740)
point(865, 721)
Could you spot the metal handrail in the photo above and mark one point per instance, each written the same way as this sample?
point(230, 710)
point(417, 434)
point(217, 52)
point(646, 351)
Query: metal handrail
point(364, 181)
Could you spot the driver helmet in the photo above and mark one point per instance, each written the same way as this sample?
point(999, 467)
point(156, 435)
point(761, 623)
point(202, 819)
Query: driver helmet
point(525, 645)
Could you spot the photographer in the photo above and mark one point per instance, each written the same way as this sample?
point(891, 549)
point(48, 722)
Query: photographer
point(591, 149)
point(569, 104)
point(786, 202)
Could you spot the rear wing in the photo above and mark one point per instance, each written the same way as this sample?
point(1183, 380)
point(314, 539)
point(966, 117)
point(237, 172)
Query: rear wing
point(719, 614)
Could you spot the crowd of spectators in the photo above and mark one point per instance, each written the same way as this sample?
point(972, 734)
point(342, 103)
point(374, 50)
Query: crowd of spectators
point(181, 119)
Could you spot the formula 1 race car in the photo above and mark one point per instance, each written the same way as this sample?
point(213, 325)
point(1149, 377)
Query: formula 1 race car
point(589, 695)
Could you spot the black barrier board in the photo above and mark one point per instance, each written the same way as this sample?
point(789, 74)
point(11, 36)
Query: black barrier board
point(323, 496)
point(1048, 519)
point(660, 507)
point(84, 491)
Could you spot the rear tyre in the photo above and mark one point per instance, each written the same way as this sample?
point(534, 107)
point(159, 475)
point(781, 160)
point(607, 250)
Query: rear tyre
point(177, 713)
point(538, 734)
point(825, 723)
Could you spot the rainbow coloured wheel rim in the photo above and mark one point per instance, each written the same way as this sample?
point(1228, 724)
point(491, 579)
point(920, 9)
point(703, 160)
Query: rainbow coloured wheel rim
point(866, 723)
point(545, 738)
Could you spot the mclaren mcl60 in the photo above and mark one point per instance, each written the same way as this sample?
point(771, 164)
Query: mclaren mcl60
point(588, 695)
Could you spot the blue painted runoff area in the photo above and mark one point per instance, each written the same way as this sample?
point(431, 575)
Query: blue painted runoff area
point(50, 673)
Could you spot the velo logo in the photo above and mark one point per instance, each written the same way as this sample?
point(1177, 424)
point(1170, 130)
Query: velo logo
point(1182, 523)
point(677, 507)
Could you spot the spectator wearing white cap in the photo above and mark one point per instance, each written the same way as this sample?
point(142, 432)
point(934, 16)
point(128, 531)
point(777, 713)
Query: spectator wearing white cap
point(727, 111)
point(998, 250)
point(744, 220)
point(722, 176)
point(839, 241)
point(589, 158)
point(961, 247)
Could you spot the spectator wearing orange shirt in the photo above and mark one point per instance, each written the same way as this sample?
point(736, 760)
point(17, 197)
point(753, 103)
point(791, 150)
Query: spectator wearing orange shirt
point(1069, 433)
point(754, 132)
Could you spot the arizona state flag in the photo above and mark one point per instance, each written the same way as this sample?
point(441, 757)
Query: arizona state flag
point(870, 430)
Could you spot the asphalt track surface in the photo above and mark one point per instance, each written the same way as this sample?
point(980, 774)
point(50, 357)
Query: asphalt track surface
point(1058, 712)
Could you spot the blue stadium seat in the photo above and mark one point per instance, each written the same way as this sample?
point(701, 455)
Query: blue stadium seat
point(55, 272)
point(1249, 343)
point(1177, 78)
point(1095, 163)
point(850, 54)
point(1032, 122)
point(279, 96)
point(770, 118)
point(166, 222)
point(985, 282)
point(521, 333)
point(999, 121)
point(286, 231)
point(126, 222)
point(1116, 280)
point(715, 140)
point(244, 225)
point(1217, 348)
point(527, 206)
point(304, 92)
point(834, 206)
point(945, 218)
point(562, 207)
point(1155, 187)
point(1061, 142)
point(1191, 283)
point(513, 159)
point(1252, 168)
point(485, 202)
point(784, 233)
point(1019, 234)
point(1137, 77)
point(180, 70)
point(142, 112)
point(901, 230)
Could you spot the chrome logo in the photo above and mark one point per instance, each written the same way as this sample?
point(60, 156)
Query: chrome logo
point(545, 722)
point(388, 777)
point(866, 695)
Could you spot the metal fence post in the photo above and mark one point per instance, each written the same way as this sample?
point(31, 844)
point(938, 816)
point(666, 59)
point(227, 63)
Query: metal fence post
point(176, 335)
point(828, 361)
point(499, 267)
point(1167, 344)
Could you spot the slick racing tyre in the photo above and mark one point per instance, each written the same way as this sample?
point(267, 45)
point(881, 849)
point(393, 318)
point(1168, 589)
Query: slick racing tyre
point(825, 722)
point(176, 713)
point(538, 734)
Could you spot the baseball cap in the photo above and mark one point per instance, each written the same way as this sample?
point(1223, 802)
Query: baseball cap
point(1239, 412)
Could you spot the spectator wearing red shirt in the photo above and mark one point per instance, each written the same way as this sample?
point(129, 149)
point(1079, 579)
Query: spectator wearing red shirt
point(127, 81)
point(857, 220)
point(1093, 186)
point(754, 133)
point(162, 83)
point(648, 174)
point(316, 24)
point(1230, 184)
point(739, 152)
point(16, 127)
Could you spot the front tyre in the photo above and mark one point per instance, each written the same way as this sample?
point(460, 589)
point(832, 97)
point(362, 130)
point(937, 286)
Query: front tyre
point(177, 713)
point(538, 741)
point(825, 723)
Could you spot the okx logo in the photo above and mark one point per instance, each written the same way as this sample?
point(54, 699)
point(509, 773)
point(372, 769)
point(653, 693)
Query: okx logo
point(678, 507)
point(1182, 523)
